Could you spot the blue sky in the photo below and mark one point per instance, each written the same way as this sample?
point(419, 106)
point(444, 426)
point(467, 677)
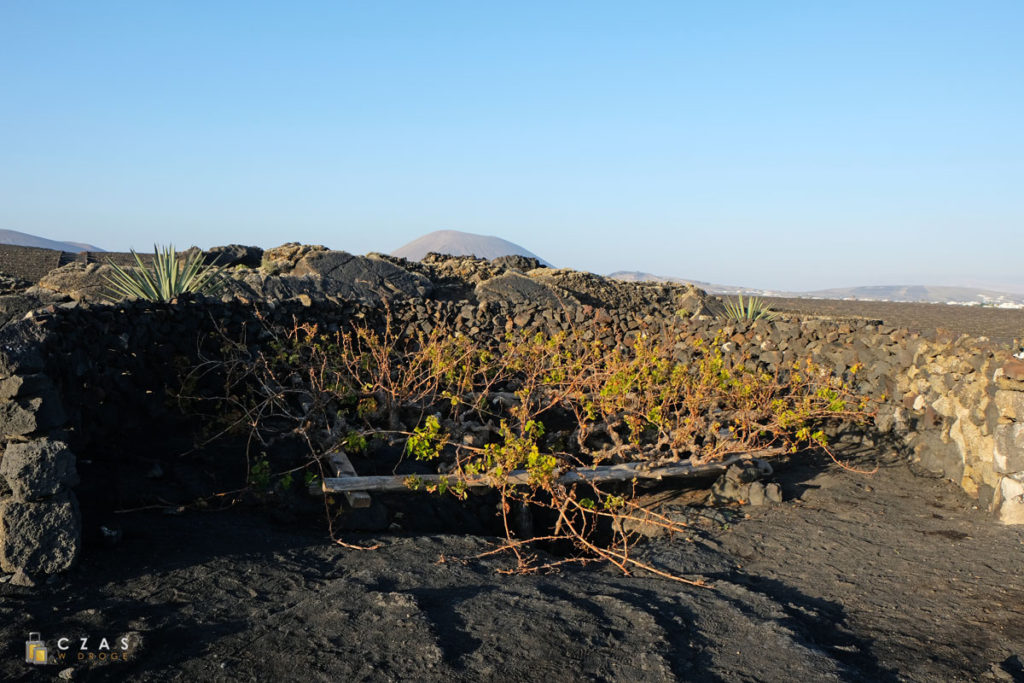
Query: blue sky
point(790, 145)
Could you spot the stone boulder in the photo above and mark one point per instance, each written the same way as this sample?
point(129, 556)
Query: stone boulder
point(257, 285)
point(594, 290)
point(458, 275)
point(24, 416)
point(234, 255)
point(654, 298)
point(283, 259)
point(694, 302)
point(39, 537)
point(517, 289)
point(20, 346)
point(1013, 369)
point(13, 307)
point(1010, 404)
point(25, 385)
point(938, 456)
point(320, 275)
point(346, 276)
point(10, 284)
point(1012, 509)
point(80, 282)
point(742, 484)
point(524, 264)
point(38, 469)
point(1008, 455)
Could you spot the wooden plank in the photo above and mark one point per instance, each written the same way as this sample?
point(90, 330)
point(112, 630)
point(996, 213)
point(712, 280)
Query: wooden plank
point(624, 472)
point(343, 469)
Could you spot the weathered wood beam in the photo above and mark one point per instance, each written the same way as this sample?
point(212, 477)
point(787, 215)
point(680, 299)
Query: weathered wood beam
point(343, 469)
point(603, 473)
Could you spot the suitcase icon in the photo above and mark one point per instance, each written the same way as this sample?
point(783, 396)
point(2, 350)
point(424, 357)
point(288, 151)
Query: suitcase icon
point(35, 649)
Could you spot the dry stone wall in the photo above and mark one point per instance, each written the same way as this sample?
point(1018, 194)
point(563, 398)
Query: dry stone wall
point(74, 373)
point(40, 525)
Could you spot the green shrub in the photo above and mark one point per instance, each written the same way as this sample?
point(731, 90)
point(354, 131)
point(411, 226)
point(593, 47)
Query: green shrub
point(167, 277)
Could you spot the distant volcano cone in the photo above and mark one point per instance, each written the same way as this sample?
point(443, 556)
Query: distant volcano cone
point(459, 243)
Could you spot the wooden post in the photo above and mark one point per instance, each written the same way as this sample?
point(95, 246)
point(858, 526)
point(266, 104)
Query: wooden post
point(343, 470)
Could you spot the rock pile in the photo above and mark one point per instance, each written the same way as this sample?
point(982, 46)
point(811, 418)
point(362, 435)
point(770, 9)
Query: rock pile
point(742, 484)
point(308, 273)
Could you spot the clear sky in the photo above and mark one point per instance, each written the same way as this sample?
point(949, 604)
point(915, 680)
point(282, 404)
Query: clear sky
point(793, 145)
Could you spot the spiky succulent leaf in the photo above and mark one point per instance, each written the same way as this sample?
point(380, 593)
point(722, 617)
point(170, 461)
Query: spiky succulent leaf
point(754, 309)
point(166, 278)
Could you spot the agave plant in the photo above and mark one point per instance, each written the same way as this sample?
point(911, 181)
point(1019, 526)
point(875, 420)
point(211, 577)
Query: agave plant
point(167, 277)
point(753, 309)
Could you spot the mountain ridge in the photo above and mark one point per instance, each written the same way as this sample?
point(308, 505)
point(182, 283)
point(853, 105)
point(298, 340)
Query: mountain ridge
point(24, 239)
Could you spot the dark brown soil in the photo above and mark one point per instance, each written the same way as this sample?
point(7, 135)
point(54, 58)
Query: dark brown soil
point(873, 578)
point(999, 325)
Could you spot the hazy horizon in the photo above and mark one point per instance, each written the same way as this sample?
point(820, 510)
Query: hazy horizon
point(786, 145)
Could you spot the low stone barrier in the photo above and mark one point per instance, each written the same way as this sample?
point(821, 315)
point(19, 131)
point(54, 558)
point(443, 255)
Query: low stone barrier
point(71, 376)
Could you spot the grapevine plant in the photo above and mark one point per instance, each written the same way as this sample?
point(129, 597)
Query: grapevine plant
point(549, 403)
